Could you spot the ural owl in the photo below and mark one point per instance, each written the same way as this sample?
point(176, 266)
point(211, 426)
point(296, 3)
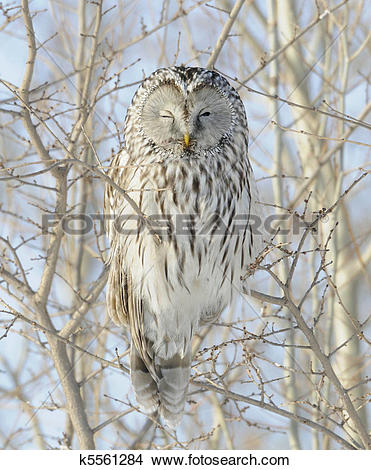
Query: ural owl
point(185, 165)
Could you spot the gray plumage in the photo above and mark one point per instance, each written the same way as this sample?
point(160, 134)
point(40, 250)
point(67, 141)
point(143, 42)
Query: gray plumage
point(185, 159)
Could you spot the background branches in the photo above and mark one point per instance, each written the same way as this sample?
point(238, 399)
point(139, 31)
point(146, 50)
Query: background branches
point(288, 365)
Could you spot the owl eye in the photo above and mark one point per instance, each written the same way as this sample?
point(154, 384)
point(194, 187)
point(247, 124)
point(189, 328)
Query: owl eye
point(204, 114)
point(166, 114)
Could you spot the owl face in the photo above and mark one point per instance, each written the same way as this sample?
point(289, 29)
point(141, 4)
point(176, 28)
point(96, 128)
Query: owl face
point(185, 110)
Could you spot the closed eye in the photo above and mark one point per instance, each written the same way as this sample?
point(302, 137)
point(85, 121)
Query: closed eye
point(204, 114)
point(166, 114)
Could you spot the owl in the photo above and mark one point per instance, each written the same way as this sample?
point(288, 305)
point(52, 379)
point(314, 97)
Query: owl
point(185, 166)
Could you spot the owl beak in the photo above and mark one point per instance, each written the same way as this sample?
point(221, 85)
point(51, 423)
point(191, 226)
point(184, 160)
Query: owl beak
point(186, 140)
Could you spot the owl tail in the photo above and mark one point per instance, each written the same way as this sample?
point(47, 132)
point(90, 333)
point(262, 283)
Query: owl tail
point(172, 386)
point(167, 392)
point(145, 387)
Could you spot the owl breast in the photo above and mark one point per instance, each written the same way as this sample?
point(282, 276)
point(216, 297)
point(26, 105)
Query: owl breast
point(193, 272)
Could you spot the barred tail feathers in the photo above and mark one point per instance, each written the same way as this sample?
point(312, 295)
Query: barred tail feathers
point(167, 391)
point(145, 387)
point(174, 376)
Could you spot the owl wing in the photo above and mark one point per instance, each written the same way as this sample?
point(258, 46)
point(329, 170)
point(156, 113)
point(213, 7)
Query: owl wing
point(257, 211)
point(123, 304)
point(117, 287)
point(254, 236)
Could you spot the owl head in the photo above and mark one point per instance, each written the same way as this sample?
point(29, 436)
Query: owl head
point(185, 110)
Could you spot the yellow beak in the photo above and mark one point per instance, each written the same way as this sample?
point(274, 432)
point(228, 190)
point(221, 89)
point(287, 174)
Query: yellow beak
point(186, 140)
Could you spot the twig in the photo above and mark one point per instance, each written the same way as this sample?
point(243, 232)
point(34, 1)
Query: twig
point(274, 409)
point(224, 34)
point(274, 56)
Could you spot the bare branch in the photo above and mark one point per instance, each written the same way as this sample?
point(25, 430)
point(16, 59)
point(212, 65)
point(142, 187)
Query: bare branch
point(224, 34)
